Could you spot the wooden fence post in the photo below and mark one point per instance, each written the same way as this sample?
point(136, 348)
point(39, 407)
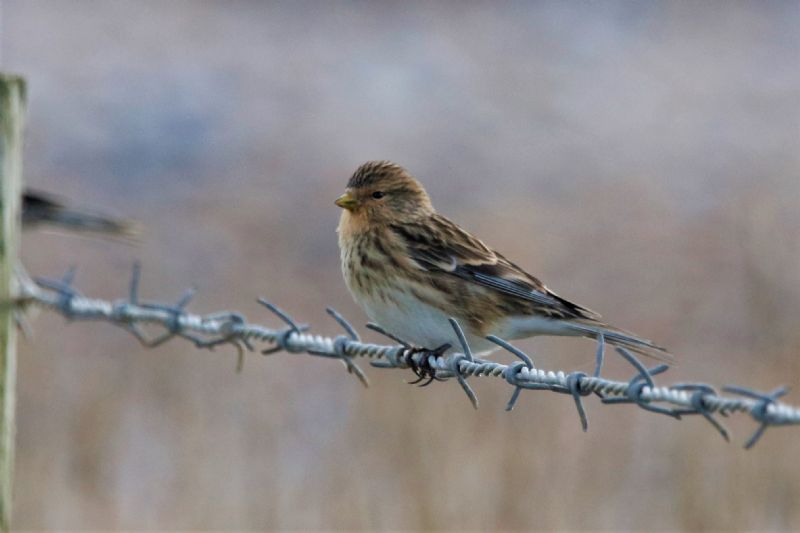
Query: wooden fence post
point(12, 108)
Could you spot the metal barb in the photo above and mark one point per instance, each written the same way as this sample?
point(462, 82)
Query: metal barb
point(229, 334)
point(63, 287)
point(173, 324)
point(279, 312)
point(340, 347)
point(700, 391)
point(599, 355)
point(282, 340)
point(637, 384)
point(352, 368)
point(574, 386)
point(454, 367)
point(644, 373)
point(347, 326)
point(186, 298)
point(761, 412)
point(513, 349)
point(461, 338)
point(454, 364)
point(512, 372)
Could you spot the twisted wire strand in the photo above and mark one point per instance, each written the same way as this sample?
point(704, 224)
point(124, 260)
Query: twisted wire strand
point(211, 330)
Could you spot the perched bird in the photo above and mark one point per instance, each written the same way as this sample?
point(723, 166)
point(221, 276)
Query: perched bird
point(411, 269)
point(43, 209)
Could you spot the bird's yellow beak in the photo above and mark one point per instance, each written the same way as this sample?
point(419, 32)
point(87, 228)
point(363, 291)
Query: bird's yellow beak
point(346, 201)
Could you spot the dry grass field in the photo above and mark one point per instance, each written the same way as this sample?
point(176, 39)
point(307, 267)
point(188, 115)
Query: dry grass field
point(641, 157)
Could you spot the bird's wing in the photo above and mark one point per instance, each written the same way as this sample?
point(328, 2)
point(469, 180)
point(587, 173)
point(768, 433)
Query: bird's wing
point(438, 245)
point(33, 199)
point(39, 208)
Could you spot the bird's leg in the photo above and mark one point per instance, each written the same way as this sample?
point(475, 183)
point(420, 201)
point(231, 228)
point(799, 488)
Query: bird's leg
point(423, 369)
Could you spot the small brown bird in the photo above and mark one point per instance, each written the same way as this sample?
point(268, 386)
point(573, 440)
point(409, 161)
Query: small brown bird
point(411, 268)
point(43, 209)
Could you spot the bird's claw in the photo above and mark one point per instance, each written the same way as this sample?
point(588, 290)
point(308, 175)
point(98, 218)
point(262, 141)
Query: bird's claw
point(423, 368)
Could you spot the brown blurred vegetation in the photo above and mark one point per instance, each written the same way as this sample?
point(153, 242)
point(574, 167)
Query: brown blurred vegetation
point(641, 157)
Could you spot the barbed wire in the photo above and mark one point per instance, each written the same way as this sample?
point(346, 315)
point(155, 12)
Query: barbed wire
point(227, 327)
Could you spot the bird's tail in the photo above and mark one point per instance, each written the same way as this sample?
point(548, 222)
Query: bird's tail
point(622, 338)
point(42, 209)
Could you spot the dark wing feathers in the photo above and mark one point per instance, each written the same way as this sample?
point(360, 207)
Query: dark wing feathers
point(512, 288)
point(438, 245)
point(42, 208)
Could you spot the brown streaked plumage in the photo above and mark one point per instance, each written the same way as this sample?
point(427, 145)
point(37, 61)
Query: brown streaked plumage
point(411, 268)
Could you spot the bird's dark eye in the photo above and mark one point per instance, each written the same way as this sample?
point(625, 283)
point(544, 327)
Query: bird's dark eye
point(378, 195)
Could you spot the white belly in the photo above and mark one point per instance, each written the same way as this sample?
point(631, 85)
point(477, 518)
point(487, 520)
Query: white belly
point(420, 324)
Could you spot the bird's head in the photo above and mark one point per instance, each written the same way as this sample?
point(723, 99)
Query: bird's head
point(383, 192)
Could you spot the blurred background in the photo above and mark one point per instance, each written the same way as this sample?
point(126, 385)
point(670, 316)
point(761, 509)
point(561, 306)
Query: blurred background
point(641, 157)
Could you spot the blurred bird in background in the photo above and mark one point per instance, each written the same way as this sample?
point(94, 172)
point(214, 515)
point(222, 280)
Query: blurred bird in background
point(411, 269)
point(40, 209)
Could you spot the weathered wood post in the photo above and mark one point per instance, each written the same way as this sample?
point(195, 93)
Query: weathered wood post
point(12, 109)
